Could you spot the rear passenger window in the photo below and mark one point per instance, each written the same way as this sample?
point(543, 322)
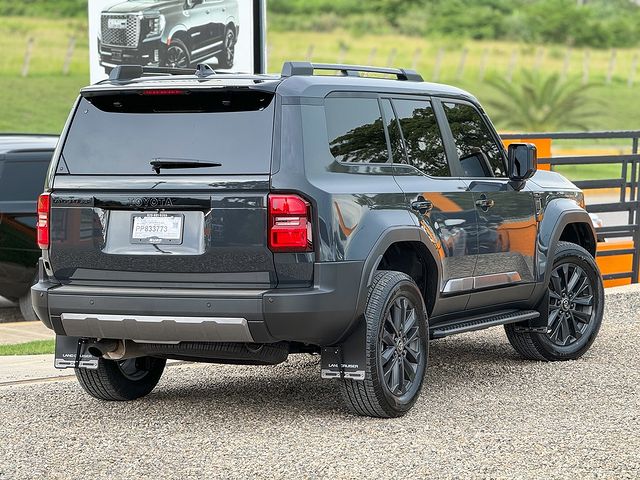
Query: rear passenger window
point(355, 129)
point(422, 138)
point(480, 155)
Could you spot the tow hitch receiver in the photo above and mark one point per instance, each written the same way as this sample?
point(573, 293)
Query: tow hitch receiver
point(71, 352)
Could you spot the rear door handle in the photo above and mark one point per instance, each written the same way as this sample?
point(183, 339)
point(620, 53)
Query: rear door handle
point(485, 204)
point(422, 206)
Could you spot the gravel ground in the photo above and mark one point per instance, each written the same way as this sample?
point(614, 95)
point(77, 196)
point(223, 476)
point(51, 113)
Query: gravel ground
point(484, 413)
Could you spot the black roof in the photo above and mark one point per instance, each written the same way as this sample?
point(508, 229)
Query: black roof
point(18, 142)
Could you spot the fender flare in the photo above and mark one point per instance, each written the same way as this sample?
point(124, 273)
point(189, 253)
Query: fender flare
point(558, 214)
point(387, 238)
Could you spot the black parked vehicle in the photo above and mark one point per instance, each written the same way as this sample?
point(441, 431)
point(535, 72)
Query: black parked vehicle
point(172, 33)
point(245, 218)
point(24, 160)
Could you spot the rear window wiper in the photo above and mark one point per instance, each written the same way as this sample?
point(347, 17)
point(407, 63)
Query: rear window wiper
point(158, 164)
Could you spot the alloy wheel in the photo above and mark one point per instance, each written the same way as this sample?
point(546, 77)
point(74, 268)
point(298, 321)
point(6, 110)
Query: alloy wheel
point(134, 368)
point(571, 304)
point(177, 57)
point(400, 348)
point(229, 45)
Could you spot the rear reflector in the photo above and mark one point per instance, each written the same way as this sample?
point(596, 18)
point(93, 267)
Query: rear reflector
point(44, 204)
point(289, 224)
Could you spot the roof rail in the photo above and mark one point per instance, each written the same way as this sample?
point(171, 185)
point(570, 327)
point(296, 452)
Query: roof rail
point(294, 69)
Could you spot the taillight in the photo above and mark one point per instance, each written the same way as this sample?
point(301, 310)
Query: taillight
point(44, 204)
point(289, 224)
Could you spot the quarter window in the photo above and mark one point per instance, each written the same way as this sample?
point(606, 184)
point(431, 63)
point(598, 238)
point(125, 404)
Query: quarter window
point(422, 138)
point(355, 130)
point(479, 154)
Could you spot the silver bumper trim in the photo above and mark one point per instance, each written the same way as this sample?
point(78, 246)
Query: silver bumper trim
point(157, 328)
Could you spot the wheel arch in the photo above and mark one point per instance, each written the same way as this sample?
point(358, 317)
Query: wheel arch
point(564, 220)
point(396, 249)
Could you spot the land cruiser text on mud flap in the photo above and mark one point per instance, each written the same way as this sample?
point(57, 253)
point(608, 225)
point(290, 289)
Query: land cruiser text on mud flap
point(243, 218)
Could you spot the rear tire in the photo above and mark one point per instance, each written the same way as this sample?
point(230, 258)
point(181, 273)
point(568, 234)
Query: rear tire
point(397, 349)
point(227, 56)
point(576, 306)
point(121, 380)
point(26, 308)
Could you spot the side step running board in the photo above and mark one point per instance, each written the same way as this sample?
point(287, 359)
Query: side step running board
point(470, 324)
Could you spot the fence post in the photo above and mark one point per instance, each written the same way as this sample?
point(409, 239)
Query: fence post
point(612, 66)
point(372, 56)
point(585, 67)
point(343, 52)
point(512, 65)
point(310, 50)
point(68, 56)
point(634, 67)
point(483, 64)
point(392, 57)
point(27, 57)
point(416, 59)
point(463, 60)
point(635, 197)
point(438, 65)
point(540, 53)
point(565, 65)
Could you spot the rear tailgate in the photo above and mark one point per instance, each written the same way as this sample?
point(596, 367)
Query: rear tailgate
point(198, 220)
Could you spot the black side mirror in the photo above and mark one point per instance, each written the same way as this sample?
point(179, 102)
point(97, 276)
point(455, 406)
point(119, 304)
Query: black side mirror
point(523, 163)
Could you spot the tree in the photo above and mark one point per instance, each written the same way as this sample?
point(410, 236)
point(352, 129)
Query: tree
point(539, 103)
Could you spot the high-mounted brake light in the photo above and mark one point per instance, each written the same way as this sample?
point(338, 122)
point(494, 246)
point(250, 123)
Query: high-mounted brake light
point(164, 91)
point(44, 207)
point(289, 224)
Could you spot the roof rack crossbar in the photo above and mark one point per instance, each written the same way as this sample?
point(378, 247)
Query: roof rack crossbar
point(292, 69)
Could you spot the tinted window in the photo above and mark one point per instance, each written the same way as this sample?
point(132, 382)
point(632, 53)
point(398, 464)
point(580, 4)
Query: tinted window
point(397, 150)
point(22, 176)
point(477, 149)
point(422, 137)
point(355, 129)
point(121, 134)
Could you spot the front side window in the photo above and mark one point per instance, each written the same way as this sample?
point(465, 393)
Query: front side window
point(422, 138)
point(355, 130)
point(479, 154)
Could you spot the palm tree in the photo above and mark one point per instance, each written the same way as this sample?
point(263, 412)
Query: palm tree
point(539, 103)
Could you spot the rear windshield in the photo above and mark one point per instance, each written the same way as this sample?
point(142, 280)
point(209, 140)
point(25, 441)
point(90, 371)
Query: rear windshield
point(121, 134)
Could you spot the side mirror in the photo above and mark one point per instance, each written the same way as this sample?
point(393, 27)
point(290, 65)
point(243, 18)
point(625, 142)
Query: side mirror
point(523, 163)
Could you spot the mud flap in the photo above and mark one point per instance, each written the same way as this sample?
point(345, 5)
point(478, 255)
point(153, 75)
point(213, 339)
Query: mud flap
point(539, 324)
point(71, 352)
point(348, 359)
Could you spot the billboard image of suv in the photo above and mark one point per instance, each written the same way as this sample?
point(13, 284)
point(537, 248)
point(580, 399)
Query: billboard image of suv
point(168, 33)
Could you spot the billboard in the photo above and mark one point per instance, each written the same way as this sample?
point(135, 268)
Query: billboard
point(229, 35)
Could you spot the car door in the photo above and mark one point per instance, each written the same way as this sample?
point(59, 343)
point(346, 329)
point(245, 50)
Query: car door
point(507, 223)
point(198, 19)
point(440, 203)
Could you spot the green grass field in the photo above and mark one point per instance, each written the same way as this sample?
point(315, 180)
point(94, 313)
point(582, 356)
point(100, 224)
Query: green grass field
point(37, 347)
point(41, 101)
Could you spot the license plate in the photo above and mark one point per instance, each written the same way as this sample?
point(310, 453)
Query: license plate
point(117, 23)
point(157, 228)
point(116, 54)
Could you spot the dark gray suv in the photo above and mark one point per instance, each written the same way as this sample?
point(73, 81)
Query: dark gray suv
point(240, 219)
point(172, 33)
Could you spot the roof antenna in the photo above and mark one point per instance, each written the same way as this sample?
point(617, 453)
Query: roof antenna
point(203, 70)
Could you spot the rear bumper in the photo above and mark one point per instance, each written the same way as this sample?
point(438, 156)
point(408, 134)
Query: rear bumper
point(320, 315)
